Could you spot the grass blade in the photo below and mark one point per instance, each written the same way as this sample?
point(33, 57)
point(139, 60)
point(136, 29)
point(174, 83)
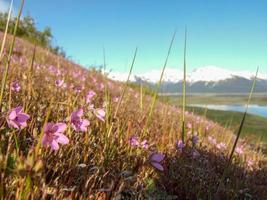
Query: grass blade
point(6, 29)
point(184, 90)
point(125, 86)
point(159, 84)
point(238, 134)
point(3, 84)
point(244, 116)
point(30, 76)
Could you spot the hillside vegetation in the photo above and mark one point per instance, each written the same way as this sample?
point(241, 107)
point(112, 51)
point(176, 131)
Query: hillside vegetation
point(69, 132)
point(29, 31)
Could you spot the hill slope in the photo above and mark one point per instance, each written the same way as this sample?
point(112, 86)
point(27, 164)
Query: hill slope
point(66, 140)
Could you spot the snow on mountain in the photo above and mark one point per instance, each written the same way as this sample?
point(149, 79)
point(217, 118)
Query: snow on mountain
point(170, 75)
point(205, 74)
point(120, 76)
point(209, 74)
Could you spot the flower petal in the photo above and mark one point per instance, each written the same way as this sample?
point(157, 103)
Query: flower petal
point(22, 117)
point(18, 109)
point(12, 115)
point(54, 145)
point(157, 165)
point(59, 127)
point(48, 127)
point(62, 139)
point(157, 157)
point(45, 140)
point(12, 124)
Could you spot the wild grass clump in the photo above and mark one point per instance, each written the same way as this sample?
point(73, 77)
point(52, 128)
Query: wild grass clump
point(60, 138)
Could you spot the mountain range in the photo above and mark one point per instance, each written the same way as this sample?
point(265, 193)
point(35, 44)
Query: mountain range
point(209, 79)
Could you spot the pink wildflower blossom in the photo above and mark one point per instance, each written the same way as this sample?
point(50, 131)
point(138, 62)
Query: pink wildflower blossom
point(77, 122)
point(239, 150)
point(90, 95)
point(16, 118)
point(134, 141)
point(53, 135)
point(59, 83)
point(144, 144)
point(180, 145)
point(100, 114)
point(15, 86)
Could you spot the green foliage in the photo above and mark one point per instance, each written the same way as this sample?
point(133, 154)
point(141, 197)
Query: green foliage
point(29, 31)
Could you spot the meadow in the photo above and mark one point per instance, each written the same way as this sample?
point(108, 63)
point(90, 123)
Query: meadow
point(255, 127)
point(71, 133)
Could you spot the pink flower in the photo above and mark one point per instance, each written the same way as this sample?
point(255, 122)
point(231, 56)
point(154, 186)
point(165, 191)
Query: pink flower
point(77, 122)
point(101, 86)
point(116, 99)
point(155, 159)
point(94, 80)
point(53, 134)
point(134, 141)
point(100, 114)
point(221, 146)
point(144, 144)
point(90, 96)
point(16, 118)
point(189, 125)
point(212, 140)
point(59, 83)
point(180, 145)
point(15, 86)
point(239, 150)
point(78, 89)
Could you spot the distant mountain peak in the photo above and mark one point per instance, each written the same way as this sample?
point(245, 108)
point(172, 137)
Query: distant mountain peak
point(201, 74)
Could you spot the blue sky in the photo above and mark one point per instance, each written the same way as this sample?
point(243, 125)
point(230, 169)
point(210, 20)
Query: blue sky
point(228, 33)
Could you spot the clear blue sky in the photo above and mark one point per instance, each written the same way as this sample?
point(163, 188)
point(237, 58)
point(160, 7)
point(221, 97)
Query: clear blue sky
point(226, 33)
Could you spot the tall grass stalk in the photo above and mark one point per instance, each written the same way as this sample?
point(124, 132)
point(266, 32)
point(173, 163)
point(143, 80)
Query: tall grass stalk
point(244, 116)
point(238, 134)
point(30, 76)
point(3, 84)
point(6, 29)
point(37, 147)
point(141, 95)
point(184, 90)
point(126, 84)
point(158, 85)
point(123, 92)
point(104, 59)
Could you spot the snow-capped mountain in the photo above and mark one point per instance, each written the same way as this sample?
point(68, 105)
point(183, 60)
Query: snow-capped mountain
point(208, 79)
point(207, 74)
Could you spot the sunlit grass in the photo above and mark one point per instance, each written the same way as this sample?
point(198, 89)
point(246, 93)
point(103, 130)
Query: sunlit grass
point(129, 150)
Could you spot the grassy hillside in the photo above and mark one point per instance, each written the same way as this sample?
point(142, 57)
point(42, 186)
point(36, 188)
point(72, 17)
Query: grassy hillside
point(254, 129)
point(69, 132)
